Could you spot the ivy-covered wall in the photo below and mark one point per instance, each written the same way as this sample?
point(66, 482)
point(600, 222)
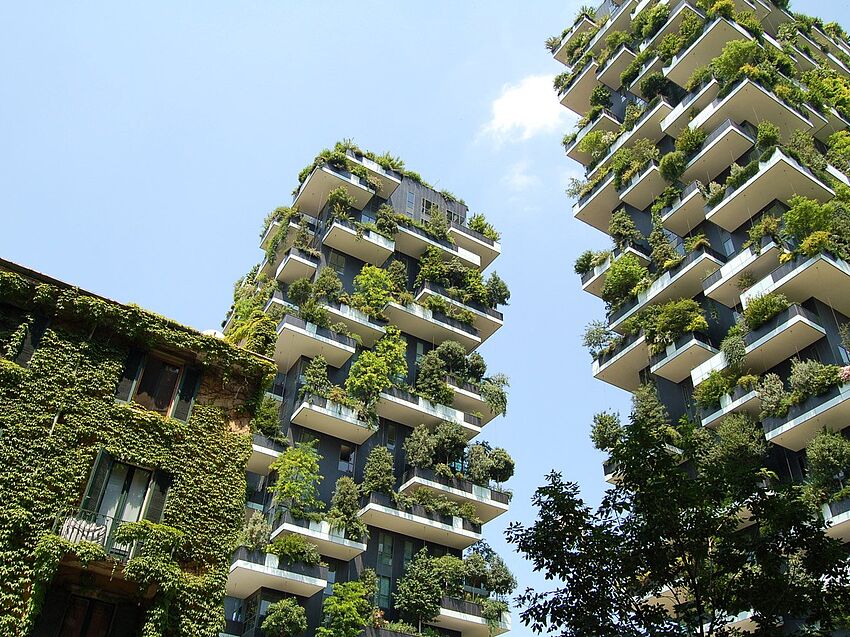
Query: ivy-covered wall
point(58, 409)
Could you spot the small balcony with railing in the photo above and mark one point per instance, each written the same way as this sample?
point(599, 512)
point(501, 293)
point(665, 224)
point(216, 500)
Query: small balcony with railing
point(582, 25)
point(467, 618)
point(609, 73)
point(388, 180)
point(331, 542)
point(264, 451)
point(369, 329)
point(596, 206)
point(361, 243)
point(252, 570)
point(414, 241)
point(576, 95)
point(676, 361)
point(799, 425)
point(740, 400)
point(694, 102)
point(593, 280)
point(485, 319)
point(837, 517)
point(401, 406)
point(468, 399)
point(331, 418)
point(431, 325)
point(721, 147)
point(644, 188)
point(489, 503)
point(381, 511)
point(313, 192)
point(475, 242)
point(621, 364)
point(296, 264)
point(724, 285)
point(297, 337)
point(687, 212)
point(705, 48)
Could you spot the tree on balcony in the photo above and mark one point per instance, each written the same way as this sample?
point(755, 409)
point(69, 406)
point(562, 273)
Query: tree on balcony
point(671, 528)
point(298, 477)
point(285, 618)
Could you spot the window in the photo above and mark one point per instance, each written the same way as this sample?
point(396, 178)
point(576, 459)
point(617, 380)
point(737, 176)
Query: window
point(385, 551)
point(158, 383)
point(408, 552)
point(337, 262)
point(384, 586)
point(390, 434)
point(420, 352)
point(427, 207)
point(728, 246)
point(329, 589)
point(411, 202)
point(86, 617)
point(842, 353)
point(367, 217)
point(455, 217)
point(346, 458)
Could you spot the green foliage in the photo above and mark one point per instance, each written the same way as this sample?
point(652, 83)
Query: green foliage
point(340, 203)
point(597, 143)
point(345, 505)
point(419, 594)
point(606, 431)
point(647, 23)
point(449, 442)
point(760, 309)
point(373, 289)
point(663, 253)
point(624, 276)
point(811, 378)
point(806, 216)
point(623, 231)
point(734, 348)
point(378, 476)
point(627, 162)
point(653, 85)
point(724, 8)
point(672, 165)
point(767, 134)
point(298, 477)
point(285, 618)
point(839, 150)
point(816, 243)
point(736, 56)
point(316, 379)
point(699, 77)
point(293, 548)
point(696, 242)
point(346, 611)
point(255, 532)
point(600, 96)
point(708, 393)
point(597, 338)
point(501, 465)
point(431, 379)
point(266, 418)
point(420, 447)
point(767, 226)
point(497, 290)
point(690, 139)
point(479, 223)
point(494, 393)
point(663, 324)
point(327, 286)
point(477, 464)
point(827, 458)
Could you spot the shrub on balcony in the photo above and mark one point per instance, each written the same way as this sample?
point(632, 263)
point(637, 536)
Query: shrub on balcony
point(606, 431)
point(298, 477)
point(760, 309)
point(690, 140)
point(801, 146)
point(600, 96)
point(774, 399)
point(811, 378)
point(590, 259)
point(293, 548)
point(664, 324)
point(655, 84)
point(839, 150)
point(816, 243)
point(418, 595)
point(767, 134)
point(478, 222)
point(373, 289)
point(431, 379)
point(497, 290)
point(255, 532)
point(699, 77)
point(378, 473)
point(696, 242)
point(374, 371)
point(623, 231)
point(419, 448)
point(626, 277)
point(285, 618)
point(340, 203)
point(806, 216)
point(672, 165)
point(597, 143)
point(626, 163)
point(316, 379)
point(478, 464)
point(663, 254)
point(734, 348)
point(345, 505)
point(708, 393)
point(437, 503)
point(649, 22)
point(347, 609)
point(631, 72)
point(827, 459)
point(613, 41)
point(328, 286)
point(493, 392)
point(501, 465)
point(767, 226)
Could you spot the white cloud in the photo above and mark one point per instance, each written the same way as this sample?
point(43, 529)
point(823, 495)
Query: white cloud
point(526, 109)
point(518, 177)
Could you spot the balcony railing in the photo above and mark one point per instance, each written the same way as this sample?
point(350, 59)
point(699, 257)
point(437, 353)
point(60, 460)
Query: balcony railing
point(440, 290)
point(298, 568)
point(81, 525)
point(474, 234)
point(455, 483)
point(323, 332)
point(383, 500)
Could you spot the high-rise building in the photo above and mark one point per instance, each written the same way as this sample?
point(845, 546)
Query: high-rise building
point(714, 136)
point(371, 300)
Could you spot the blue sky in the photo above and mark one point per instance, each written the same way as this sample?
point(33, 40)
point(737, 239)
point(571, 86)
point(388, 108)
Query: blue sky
point(142, 145)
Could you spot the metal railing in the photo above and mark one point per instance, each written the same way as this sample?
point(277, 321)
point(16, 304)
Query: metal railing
point(81, 525)
point(472, 233)
point(462, 485)
point(436, 288)
point(295, 321)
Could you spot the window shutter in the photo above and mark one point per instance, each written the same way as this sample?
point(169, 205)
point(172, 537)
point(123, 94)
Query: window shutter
point(158, 493)
point(186, 394)
point(34, 334)
point(97, 481)
point(131, 373)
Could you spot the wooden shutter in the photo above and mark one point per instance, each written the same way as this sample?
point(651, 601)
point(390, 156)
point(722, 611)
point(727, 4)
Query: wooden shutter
point(186, 394)
point(131, 373)
point(34, 334)
point(158, 493)
point(97, 481)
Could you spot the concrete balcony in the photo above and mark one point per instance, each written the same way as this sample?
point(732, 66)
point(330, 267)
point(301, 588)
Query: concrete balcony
point(746, 101)
point(723, 285)
point(331, 418)
point(596, 207)
point(686, 213)
point(646, 127)
point(413, 242)
point(576, 95)
point(611, 471)
point(468, 399)
point(313, 193)
point(432, 326)
point(485, 319)
point(292, 229)
point(331, 542)
point(724, 145)
point(795, 429)
point(835, 122)
point(365, 245)
point(367, 328)
point(594, 280)
point(676, 121)
point(468, 239)
point(678, 359)
point(583, 25)
point(824, 277)
point(297, 337)
point(400, 406)
point(644, 188)
point(837, 517)
point(673, 24)
point(296, 264)
point(706, 47)
point(682, 282)
point(649, 67)
point(739, 400)
point(251, 570)
point(380, 510)
point(621, 366)
point(610, 72)
point(389, 180)
point(465, 618)
point(780, 177)
point(264, 452)
point(605, 122)
point(488, 503)
point(779, 339)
